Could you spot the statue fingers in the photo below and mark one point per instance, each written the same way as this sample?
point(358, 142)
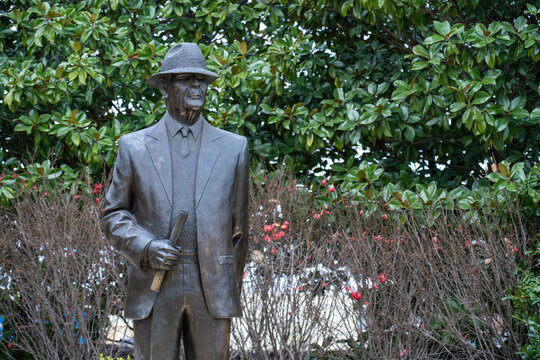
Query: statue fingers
point(165, 264)
point(171, 250)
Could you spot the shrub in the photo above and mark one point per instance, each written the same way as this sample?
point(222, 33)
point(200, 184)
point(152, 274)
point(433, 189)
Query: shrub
point(60, 279)
point(329, 277)
point(342, 281)
point(526, 299)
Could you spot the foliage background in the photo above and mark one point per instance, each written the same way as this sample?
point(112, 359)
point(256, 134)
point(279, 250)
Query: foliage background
point(426, 91)
point(418, 104)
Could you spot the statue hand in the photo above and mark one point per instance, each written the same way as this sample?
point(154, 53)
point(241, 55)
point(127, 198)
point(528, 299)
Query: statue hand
point(161, 255)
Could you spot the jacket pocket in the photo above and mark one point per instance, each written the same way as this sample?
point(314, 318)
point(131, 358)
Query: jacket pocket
point(226, 259)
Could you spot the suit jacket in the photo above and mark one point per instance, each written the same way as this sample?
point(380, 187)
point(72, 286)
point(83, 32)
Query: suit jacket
point(139, 205)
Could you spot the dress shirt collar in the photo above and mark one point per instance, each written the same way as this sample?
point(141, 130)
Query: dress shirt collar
point(174, 126)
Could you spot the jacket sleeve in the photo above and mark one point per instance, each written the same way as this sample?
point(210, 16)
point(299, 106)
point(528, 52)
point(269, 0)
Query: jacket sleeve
point(240, 211)
point(120, 225)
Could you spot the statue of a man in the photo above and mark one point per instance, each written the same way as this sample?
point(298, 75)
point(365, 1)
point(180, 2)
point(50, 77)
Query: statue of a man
point(181, 164)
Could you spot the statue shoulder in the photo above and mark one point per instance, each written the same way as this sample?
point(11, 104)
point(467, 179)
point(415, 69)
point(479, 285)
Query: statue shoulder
point(230, 137)
point(135, 141)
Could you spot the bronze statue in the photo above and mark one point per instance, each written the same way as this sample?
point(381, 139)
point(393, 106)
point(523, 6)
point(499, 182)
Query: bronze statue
point(181, 165)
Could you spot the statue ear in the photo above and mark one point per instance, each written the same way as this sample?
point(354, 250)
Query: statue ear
point(163, 84)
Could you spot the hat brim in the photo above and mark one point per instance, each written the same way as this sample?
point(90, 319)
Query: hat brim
point(153, 81)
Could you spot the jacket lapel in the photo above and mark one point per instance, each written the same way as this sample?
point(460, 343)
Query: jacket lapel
point(158, 147)
point(211, 148)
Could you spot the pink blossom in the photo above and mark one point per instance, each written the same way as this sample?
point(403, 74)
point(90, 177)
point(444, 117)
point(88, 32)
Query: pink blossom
point(324, 182)
point(403, 352)
point(268, 228)
point(97, 188)
point(356, 295)
point(331, 188)
point(267, 238)
point(273, 251)
point(382, 277)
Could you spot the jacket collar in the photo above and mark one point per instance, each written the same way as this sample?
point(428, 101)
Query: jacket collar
point(157, 144)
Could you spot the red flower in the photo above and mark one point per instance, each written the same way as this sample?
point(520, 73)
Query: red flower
point(403, 352)
point(356, 295)
point(285, 225)
point(245, 274)
point(267, 238)
point(324, 284)
point(97, 200)
point(385, 217)
point(331, 188)
point(382, 277)
point(300, 288)
point(97, 188)
point(324, 182)
point(268, 228)
point(77, 196)
point(273, 251)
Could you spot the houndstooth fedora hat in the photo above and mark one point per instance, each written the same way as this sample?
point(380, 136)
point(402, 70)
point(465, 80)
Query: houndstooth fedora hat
point(183, 58)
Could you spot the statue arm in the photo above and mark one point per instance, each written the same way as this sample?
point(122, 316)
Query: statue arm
point(120, 225)
point(240, 210)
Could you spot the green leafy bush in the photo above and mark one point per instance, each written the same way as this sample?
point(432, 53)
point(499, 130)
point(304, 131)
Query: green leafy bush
point(526, 300)
point(427, 91)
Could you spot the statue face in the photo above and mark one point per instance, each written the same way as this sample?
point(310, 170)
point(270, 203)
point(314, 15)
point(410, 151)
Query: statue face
point(186, 93)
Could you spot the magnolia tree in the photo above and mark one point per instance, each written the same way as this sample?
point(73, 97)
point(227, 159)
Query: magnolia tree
point(419, 89)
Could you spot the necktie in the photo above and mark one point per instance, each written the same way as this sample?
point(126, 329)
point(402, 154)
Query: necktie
point(184, 142)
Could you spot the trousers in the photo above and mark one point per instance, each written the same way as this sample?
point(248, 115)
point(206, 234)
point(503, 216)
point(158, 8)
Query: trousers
point(180, 313)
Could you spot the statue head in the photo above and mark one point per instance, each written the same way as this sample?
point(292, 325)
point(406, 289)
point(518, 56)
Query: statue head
point(183, 81)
